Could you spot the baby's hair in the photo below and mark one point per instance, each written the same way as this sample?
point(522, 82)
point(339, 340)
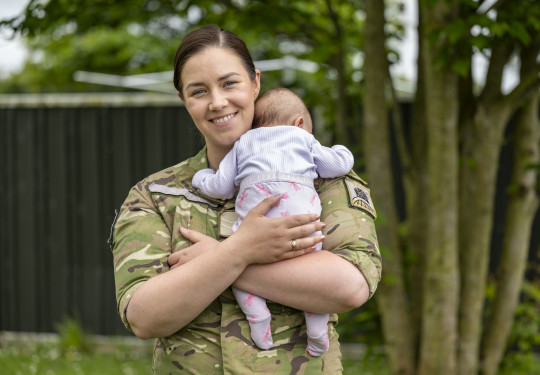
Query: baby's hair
point(279, 106)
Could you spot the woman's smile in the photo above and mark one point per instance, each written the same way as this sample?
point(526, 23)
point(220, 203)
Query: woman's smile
point(225, 120)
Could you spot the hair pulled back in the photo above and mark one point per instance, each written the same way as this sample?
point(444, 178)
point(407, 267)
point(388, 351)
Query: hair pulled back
point(209, 36)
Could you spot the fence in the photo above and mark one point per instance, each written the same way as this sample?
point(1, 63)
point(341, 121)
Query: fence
point(66, 162)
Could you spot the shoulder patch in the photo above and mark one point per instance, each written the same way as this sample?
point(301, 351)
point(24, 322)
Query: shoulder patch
point(359, 196)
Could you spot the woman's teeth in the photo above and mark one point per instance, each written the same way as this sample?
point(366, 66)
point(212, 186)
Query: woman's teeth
point(223, 119)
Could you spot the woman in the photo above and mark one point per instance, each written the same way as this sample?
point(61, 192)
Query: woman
point(185, 299)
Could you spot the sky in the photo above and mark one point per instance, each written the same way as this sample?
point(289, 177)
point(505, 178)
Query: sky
point(12, 52)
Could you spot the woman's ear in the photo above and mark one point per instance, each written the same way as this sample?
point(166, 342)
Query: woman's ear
point(257, 83)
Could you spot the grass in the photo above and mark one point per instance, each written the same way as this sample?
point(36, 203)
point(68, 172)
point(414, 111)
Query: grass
point(373, 366)
point(45, 359)
point(118, 359)
point(122, 359)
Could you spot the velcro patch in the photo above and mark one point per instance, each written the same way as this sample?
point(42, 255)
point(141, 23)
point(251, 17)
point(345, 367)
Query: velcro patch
point(359, 196)
point(226, 222)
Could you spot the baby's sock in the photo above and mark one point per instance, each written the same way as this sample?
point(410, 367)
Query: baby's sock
point(261, 332)
point(317, 331)
point(317, 346)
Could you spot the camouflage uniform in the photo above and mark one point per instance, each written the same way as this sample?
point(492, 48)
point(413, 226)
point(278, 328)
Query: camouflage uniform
point(218, 341)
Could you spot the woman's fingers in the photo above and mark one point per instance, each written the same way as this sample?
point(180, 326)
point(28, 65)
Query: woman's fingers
point(306, 229)
point(192, 235)
point(201, 243)
point(266, 204)
point(300, 250)
point(306, 242)
point(265, 240)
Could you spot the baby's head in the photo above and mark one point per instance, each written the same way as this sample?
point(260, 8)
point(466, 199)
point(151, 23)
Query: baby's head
point(281, 106)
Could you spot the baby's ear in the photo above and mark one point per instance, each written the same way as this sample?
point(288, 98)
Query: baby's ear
point(299, 122)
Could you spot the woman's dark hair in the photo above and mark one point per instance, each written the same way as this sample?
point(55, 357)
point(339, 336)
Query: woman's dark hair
point(209, 36)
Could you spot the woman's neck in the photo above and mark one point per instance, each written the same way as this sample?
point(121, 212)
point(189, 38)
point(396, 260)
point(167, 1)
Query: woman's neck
point(215, 156)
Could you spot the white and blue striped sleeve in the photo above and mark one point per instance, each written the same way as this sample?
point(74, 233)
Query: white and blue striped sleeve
point(332, 162)
point(219, 184)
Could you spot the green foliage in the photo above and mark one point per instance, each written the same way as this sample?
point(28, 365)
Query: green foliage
point(126, 37)
point(72, 339)
point(524, 341)
point(479, 29)
point(117, 51)
point(361, 325)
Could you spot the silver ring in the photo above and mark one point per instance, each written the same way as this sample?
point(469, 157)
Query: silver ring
point(293, 244)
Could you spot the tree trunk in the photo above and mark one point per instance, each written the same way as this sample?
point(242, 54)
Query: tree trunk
point(478, 176)
point(482, 141)
point(391, 297)
point(339, 63)
point(519, 218)
point(416, 186)
point(439, 322)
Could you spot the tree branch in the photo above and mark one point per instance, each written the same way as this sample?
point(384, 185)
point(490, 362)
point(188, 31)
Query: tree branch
point(495, 5)
point(529, 76)
point(403, 151)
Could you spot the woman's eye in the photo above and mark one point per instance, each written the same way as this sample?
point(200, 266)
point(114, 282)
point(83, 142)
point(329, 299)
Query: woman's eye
point(197, 92)
point(230, 83)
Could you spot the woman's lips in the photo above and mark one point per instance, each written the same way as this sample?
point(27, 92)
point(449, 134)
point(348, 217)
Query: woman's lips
point(225, 120)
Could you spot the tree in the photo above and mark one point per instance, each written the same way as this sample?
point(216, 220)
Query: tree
point(431, 298)
point(458, 134)
point(392, 295)
point(129, 37)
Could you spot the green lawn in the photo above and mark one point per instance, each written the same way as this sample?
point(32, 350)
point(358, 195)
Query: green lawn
point(45, 359)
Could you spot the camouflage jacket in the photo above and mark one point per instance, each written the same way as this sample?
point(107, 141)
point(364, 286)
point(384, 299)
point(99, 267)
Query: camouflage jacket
point(218, 341)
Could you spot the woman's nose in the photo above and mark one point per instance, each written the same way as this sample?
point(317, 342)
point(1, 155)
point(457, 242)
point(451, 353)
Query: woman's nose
point(218, 102)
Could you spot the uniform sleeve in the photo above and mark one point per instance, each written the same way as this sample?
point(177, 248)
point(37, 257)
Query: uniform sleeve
point(332, 162)
point(141, 245)
point(218, 184)
point(350, 229)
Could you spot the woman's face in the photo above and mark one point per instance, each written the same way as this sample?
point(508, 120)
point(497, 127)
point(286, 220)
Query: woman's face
point(219, 95)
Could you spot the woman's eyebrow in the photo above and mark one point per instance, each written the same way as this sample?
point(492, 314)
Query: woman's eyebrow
point(194, 84)
point(228, 75)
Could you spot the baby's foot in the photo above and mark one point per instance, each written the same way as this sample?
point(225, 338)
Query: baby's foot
point(317, 346)
point(261, 332)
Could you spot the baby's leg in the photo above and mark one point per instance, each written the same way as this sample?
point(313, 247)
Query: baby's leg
point(317, 331)
point(258, 317)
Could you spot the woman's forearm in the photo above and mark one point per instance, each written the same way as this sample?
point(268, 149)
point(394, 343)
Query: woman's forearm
point(166, 303)
point(319, 282)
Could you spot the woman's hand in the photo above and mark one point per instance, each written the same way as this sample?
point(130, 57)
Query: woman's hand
point(201, 244)
point(259, 239)
point(263, 240)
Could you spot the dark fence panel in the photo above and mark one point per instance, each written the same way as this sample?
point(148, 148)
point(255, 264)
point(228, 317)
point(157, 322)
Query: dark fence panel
point(64, 168)
point(66, 162)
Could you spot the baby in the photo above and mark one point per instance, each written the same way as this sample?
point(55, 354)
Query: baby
point(278, 156)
